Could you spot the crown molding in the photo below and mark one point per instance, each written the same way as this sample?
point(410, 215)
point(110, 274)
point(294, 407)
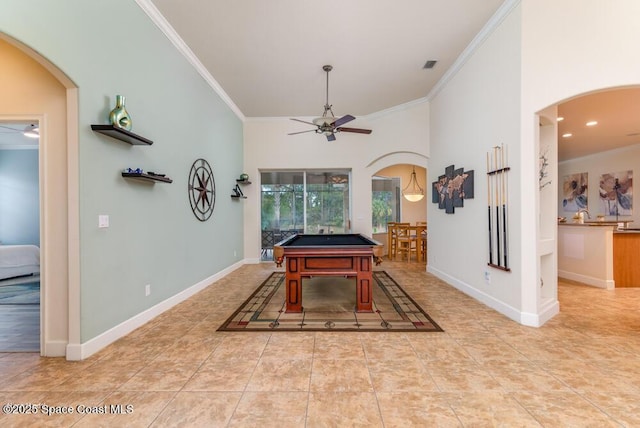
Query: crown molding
point(503, 11)
point(156, 17)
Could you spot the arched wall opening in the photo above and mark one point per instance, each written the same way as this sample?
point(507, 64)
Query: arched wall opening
point(35, 89)
point(581, 164)
point(400, 165)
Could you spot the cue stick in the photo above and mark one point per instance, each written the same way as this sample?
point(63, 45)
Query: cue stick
point(504, 205)
point(497, 202)
point(489, 209)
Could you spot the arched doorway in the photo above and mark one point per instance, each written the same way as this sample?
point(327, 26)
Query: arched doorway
point(598, 153)
point(30, 83)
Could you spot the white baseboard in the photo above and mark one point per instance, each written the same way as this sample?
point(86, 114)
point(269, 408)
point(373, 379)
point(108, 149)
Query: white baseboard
point(548, 311)
point(608, 284)
point(54, 348)
point(76, 352)
point(488, 300)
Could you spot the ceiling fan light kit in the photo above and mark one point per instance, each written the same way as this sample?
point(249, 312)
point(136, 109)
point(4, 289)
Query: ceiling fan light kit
point(32, 131)
point(328, 124)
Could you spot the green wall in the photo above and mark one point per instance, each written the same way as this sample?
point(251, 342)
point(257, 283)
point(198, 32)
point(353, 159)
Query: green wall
point(109, 48)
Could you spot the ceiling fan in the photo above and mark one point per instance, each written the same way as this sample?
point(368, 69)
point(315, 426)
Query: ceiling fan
point(328, 124)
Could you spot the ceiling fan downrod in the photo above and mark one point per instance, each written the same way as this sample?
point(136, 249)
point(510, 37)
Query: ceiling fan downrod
point(327, 106)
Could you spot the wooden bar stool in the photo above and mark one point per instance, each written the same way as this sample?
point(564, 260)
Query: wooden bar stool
point(421, 234)
point(391, 239)
point(407, 241)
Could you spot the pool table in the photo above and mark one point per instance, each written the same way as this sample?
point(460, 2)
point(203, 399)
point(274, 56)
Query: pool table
point(348, 255)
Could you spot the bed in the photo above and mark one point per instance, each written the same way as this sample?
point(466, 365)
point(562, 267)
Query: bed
point(19, 260)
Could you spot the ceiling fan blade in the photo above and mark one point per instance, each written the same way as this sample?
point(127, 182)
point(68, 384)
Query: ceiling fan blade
point(344, 119)
point(303, 121)
point(354, 130)
point(331, 137)
point(301, 132)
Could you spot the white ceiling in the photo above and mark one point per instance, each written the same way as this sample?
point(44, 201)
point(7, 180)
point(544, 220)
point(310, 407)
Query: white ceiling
point(12, 136)
point(268, 55)
point(617, 113)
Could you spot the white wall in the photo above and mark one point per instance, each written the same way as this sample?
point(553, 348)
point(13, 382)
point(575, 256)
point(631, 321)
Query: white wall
point(623, 159)
point(476, 110)
point(399, 136)
point(542, 53)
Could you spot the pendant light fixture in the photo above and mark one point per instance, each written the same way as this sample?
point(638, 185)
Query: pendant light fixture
point(413, 192)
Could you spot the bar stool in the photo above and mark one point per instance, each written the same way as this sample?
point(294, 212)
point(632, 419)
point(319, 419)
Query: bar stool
point(391, 239)
point(421, 233)
point(407, 242)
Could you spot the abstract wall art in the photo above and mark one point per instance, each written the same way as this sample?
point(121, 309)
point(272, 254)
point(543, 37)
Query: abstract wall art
point(574, 192)
point(616, 193)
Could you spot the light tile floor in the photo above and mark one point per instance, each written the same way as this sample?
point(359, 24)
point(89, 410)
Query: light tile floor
point(582, 368)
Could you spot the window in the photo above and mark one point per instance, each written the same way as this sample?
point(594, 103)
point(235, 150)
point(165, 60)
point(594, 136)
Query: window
point(385, 202)
point(303, 201)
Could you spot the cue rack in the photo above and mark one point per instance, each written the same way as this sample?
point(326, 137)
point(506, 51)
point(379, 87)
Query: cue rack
point(497, 198)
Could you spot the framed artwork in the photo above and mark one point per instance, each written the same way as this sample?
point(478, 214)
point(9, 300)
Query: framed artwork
point(575, 192)
point(452, 188)
point(616, 193)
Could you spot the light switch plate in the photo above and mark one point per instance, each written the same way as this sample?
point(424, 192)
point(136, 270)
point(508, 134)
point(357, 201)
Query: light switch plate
point(103, 221)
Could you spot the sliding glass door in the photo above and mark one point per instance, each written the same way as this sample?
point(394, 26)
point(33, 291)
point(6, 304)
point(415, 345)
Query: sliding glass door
point(303, 202)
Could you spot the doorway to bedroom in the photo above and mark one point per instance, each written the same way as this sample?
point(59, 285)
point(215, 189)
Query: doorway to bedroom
point(19, 237)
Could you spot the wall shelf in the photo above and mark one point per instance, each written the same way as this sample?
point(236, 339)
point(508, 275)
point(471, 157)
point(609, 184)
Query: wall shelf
point(122, 135)
point(147, 177)
point(237, 192)
point(243, 182)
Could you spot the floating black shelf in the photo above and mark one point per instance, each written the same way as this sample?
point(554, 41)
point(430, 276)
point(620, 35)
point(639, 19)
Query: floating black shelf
point(122, 135)
point(147, 177)
point(243, 182)
point(238, 197)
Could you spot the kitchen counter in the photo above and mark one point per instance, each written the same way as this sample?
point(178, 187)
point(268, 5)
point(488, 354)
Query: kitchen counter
point(585, 253)
point(626, 247)
point(625, 224)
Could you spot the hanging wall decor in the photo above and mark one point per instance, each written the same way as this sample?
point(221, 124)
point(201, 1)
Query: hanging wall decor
point(616, 193)
point(575, 192)
point(452, 188)
point(497, 198)
point(202, 189)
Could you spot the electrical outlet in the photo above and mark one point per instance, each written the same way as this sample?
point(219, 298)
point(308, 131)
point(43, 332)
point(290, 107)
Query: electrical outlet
point(147, 289)
point(487, 277)
point(235, 253)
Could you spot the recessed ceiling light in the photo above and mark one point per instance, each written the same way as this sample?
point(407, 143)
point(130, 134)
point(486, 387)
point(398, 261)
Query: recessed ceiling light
point(560, 119)
point(567, 135)
point(592, 123)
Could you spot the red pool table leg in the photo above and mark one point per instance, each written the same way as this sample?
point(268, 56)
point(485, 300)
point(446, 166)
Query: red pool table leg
point(294, 285)
point(364, 280)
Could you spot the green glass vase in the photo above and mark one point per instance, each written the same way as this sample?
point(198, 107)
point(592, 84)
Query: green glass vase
point(119, 116)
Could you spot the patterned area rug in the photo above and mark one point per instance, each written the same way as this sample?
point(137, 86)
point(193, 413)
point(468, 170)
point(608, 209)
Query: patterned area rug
point(22, 294)
point(329, 305)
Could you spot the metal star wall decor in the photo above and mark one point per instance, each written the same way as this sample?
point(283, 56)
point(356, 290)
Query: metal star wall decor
point(202, 189)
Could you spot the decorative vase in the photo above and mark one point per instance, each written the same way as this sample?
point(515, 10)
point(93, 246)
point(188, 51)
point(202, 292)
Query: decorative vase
point(244, 177)
point(119, 116)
